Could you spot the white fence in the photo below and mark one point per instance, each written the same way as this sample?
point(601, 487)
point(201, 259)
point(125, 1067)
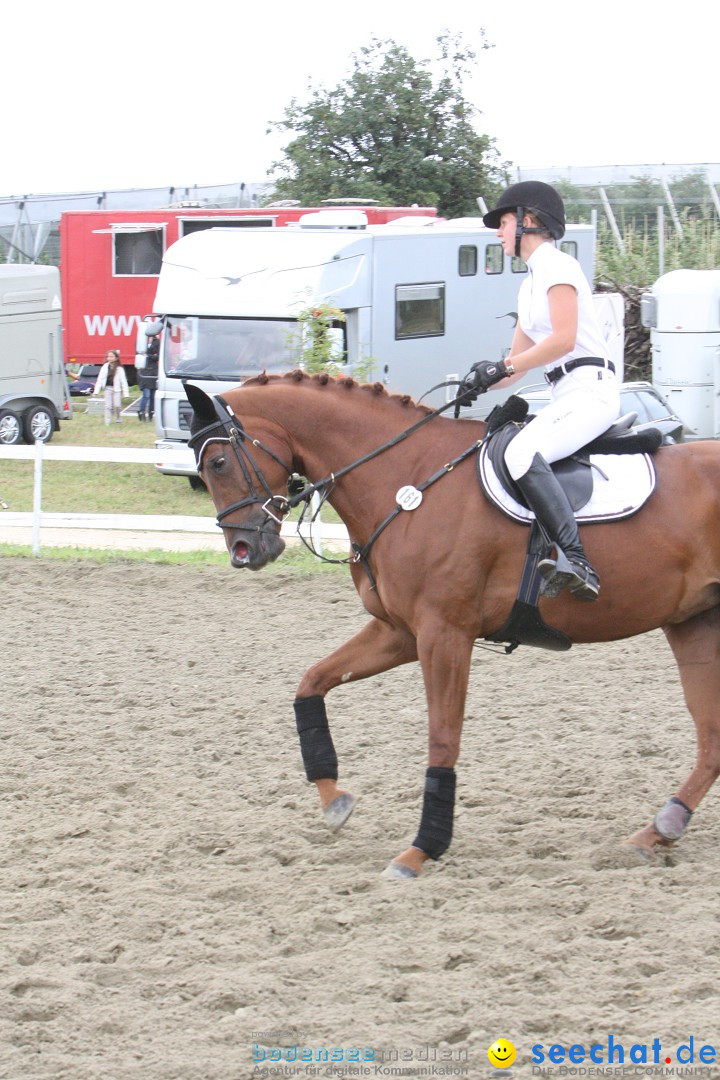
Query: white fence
point(322, 533)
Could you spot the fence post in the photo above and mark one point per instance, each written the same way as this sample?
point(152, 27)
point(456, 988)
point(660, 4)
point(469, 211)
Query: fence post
point(37, 496)
point(315, 504)
point(611, 220)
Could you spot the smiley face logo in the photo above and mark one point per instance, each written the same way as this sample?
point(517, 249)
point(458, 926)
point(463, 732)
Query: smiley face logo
point(502, 1053)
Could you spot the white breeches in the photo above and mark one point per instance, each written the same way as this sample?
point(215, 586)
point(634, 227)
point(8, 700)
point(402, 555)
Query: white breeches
point(584, 403)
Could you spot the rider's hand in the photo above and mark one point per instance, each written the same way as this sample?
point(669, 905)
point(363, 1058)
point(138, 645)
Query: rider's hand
point(480, 378)
point(486, 373)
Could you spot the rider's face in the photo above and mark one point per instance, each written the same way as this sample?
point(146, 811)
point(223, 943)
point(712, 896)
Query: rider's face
point(506, 233)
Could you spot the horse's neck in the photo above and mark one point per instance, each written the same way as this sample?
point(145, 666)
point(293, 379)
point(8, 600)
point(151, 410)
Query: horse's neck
point(330, 433)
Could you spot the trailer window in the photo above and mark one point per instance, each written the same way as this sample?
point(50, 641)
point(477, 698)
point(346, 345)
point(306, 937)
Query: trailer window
point(467, 260)
point(518, 266)
point(494, 259)
point(138, 252)
point(419, 311)
point(569, 247)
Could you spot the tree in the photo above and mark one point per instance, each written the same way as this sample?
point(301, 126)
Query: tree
point(391, 133)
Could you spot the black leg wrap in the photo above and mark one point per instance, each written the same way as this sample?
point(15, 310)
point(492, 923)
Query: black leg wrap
point(436, 823)
point(316, 745)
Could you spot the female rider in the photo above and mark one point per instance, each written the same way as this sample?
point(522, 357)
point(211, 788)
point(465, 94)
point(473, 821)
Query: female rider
point(556, 329)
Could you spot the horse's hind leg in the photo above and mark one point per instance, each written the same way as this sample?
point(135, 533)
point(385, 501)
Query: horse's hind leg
point(377, 647)
point(696, 646)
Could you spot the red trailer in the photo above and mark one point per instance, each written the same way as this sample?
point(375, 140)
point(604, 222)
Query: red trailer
point(110, 262)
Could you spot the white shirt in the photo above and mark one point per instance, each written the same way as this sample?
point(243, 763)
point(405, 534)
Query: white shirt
point(548, 266)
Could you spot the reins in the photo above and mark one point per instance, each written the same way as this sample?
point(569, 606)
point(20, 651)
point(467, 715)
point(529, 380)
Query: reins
point(236, 436)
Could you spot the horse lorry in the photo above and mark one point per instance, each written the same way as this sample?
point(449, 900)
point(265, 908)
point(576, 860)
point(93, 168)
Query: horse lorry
point(412, 303)
point(110, 261)
point(34, 394)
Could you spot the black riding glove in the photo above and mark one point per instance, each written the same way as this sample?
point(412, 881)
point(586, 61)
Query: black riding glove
point(480, 378)
point(485, 374)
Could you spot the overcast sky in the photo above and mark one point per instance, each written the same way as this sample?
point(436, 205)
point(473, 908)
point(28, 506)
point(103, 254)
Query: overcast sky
point(155, 93)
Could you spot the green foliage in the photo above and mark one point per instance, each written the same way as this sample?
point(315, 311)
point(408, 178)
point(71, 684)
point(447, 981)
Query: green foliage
point(697, 248)
point(392, 133)
point(317, 351)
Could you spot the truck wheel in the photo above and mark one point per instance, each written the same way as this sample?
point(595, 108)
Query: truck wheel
point(10, 428)
point(38, 424)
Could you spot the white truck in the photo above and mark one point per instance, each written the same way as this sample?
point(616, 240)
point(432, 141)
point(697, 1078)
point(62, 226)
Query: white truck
point(34, 394)
point(419, 303)
point(682, 311)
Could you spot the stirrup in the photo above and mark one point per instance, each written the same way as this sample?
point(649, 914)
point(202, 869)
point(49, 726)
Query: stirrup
point(563, 573)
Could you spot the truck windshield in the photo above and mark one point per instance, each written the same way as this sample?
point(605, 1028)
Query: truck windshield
point(228, 349)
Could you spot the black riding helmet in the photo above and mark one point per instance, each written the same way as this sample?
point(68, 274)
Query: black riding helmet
point(530, 196)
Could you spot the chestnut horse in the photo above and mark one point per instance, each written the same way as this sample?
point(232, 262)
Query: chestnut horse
point(446, 573)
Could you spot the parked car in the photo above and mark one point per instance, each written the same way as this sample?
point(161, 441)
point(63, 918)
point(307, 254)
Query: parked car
point(80, 387)
point(639, 397)
point(83, 382)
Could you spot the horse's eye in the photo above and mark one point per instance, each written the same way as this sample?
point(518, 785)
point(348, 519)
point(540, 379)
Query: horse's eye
point(217, 464)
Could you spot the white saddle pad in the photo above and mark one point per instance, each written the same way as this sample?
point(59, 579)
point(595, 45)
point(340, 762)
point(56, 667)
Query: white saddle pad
point(621, 484)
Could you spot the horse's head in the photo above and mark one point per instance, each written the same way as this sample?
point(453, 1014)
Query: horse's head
point(241, 473)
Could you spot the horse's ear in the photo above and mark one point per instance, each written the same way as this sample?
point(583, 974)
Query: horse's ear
point(202, 405)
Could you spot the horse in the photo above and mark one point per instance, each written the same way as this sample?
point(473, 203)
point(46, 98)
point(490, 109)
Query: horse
point(440, 574)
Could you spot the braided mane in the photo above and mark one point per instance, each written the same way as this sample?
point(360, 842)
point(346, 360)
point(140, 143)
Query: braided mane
point(338, 382)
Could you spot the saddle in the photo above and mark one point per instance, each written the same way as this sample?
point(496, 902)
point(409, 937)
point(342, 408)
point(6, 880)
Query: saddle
point(624, 485)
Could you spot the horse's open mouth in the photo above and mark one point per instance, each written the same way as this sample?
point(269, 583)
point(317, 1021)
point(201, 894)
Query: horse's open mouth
point(240, 554)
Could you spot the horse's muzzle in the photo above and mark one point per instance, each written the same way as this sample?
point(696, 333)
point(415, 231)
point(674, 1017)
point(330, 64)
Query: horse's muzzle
point(253, 548)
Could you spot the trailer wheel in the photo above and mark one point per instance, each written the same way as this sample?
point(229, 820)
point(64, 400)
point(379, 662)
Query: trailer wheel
point(10, 428)
point(38, 424)
point(197, 484)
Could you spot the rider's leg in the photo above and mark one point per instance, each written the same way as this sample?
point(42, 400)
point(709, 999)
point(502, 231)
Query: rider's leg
point(584, 404)
point(551, 507)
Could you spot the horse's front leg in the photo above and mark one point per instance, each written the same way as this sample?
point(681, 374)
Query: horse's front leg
point(445, 658)
point(377, 647)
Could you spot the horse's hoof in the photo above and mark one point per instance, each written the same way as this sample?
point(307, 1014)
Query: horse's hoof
point(647, 854)
point(339, 810)
point(397, 871)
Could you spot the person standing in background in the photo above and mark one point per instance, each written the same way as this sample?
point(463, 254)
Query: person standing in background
point(113, 382)
point(147, 380)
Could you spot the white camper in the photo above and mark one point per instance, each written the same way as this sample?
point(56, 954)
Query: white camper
point(419, 303)
point(34, 394)
point(682, 311)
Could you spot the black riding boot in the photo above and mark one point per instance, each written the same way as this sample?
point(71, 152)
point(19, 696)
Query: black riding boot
point(571, 569)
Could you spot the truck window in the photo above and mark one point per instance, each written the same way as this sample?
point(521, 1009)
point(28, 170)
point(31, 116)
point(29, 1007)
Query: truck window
point(419, 310)
point(494, 259)
point(138, 252)
point(228, 349)
point(467, 260)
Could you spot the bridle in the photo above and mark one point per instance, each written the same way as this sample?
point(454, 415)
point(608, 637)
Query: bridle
point(228, 429)
point(234, 434)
